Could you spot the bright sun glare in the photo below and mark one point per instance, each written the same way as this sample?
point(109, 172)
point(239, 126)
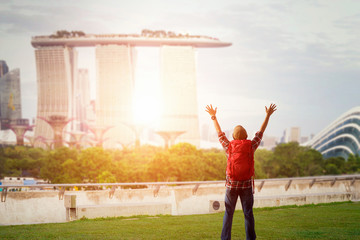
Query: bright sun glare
point(147, 103)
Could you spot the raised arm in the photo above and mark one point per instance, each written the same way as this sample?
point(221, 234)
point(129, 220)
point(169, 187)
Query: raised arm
point(212, 113)
point(268, 111)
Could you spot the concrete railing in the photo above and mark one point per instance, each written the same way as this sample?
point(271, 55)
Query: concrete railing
point(61, 202)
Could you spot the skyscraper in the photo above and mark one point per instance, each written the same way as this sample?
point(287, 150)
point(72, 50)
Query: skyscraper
point(55, 72)
point(10, 104)
point(10, 95)
point(114, 93)
point(291, 135)
point(178, 80)
point(3, 68)
point(81, 99)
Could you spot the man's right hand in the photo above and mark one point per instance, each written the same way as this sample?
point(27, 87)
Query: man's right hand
point(211, 110)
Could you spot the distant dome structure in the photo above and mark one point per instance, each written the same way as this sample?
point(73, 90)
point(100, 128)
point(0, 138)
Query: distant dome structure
point(341, 137)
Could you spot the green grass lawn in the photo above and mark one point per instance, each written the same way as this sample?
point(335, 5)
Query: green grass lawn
point(325, 221)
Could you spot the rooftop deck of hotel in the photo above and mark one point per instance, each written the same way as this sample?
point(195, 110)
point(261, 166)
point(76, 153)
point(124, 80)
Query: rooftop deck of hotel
point(133, 40)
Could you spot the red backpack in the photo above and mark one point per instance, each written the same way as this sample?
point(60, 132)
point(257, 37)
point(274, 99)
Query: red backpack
point(240, 163)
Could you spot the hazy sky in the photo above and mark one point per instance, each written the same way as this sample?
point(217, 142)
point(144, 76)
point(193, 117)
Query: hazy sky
point(302, 55)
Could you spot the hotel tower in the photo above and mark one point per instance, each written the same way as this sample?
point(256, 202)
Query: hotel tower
point(55, 67)
point(178, 81)
point(114, 93)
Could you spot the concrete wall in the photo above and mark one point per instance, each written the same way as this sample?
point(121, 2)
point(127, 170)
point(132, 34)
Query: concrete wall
point(43, 206)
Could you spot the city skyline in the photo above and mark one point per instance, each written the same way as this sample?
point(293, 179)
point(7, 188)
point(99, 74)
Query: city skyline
point(301, 56)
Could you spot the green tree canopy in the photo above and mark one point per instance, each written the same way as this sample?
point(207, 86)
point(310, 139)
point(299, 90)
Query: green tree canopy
point(181, 162)
point(53, 165)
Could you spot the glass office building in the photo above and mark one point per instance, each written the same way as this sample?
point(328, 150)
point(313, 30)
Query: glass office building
point(10, 94)
point(341, 137)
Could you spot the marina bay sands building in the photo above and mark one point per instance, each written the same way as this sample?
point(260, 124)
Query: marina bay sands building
point(57, 76)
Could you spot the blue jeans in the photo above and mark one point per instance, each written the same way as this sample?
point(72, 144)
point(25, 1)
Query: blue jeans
point(247, 202)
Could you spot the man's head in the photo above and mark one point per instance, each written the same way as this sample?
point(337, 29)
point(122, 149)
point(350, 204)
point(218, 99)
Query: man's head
point(239, 133)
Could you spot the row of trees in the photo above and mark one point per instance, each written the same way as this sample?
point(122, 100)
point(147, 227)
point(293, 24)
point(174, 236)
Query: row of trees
point(67, 34)
point(292, 160)
point(181, 162)
point(169, 34)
